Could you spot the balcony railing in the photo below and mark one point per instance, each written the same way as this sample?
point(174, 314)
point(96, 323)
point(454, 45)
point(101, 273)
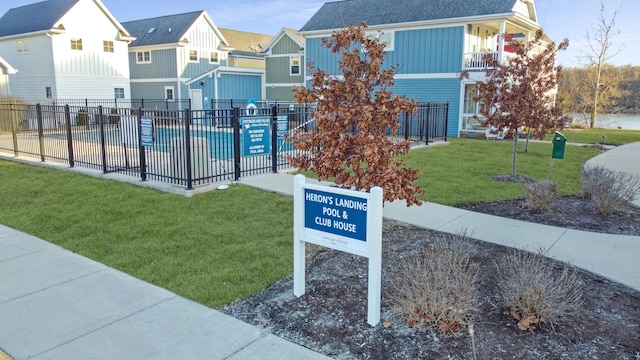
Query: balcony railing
point(477, 60)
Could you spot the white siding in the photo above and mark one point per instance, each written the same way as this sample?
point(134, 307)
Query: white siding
point(90, 72)
point(35, 72)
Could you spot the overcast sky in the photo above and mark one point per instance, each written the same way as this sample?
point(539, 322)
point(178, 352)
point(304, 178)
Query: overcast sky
point(559, 18)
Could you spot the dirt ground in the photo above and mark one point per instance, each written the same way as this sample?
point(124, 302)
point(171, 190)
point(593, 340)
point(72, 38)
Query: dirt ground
point(331, 318)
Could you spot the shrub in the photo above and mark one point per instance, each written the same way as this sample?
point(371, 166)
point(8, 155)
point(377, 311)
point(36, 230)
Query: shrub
point(541, 194)
point(437, 288)
point(534, 291)
point(609, 190)
point(481, 136)
point(82, 118)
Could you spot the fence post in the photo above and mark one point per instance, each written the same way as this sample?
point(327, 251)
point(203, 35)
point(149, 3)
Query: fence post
point(143, 154)
point(446, 120)
point(40, 131)
point(14, 127)
point(103, 146)
point(274, 139)
point(406, 125)
point(67, 119)
point(188, 155)
point(427, 124)
point(236, 143)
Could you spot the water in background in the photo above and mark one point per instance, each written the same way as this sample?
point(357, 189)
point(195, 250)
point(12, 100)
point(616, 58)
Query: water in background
point(612, 121)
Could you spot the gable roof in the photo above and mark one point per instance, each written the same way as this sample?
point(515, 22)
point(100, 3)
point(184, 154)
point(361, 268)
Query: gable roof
point(340, 14)
point(291, 33)
point(45, 16)
point(169, 29)
point(5, 68)
point(245, 43)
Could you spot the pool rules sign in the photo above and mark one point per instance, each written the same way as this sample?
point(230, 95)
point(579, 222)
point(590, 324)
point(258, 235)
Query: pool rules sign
point(345, 220)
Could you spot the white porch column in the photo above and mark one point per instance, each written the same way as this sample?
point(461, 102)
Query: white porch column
point(503, 29)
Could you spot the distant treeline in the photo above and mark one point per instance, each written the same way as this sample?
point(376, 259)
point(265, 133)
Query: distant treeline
point(620, 89)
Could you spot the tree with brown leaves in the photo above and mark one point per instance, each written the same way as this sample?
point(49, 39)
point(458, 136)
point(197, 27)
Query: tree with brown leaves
point(519, 93)
point(353, 114)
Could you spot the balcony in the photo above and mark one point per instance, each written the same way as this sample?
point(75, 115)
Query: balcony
point(476, 61)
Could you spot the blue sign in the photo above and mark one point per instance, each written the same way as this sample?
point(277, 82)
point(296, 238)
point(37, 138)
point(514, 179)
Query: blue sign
point(256, 136)
point(146, 131)
point(337, 214)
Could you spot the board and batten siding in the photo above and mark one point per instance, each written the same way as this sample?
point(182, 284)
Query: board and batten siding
point(240, 86)
point(421, 51)
point(434, 90)
point(286, 45)
point(163, 65)
point(279, 71)
point(90, 72)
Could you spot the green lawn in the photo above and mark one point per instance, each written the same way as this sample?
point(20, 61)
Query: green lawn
point(224, 245)
point(461, 171)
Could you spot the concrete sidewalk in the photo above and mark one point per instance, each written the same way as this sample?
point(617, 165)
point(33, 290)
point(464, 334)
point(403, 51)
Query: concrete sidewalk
point(616, 257)
point(55, 304)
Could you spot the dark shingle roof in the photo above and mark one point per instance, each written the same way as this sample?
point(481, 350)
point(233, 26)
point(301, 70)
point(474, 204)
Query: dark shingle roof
point(168, 29)
point(40, 16)
point(340, 14)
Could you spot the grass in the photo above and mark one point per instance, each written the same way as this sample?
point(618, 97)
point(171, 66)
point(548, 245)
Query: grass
point(461, 171)
point(212, 248)
point(592, 136)
point(221, 246)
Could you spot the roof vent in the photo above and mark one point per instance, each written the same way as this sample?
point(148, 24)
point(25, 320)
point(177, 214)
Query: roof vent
point(169, 29)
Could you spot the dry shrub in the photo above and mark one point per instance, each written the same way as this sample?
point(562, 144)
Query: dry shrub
point(541, 194)
point(534, 291)
point(609, 190)
point(437, 288)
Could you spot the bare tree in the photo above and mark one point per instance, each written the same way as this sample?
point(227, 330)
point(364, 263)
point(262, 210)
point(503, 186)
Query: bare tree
point(520, 92)
point(354, 117)
point(601, 50)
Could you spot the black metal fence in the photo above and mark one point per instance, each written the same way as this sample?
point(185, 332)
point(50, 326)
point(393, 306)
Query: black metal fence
point(184, 147)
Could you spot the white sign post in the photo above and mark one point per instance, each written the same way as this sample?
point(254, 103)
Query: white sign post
point(339, 219)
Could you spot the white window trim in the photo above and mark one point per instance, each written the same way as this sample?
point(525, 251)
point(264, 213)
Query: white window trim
point(173, 93)
point(23, 46)
point(115, 95)
point(77, 42)
point(197, 60)
point(138, 61)
point(291, 65)
point(390, 45)
point(214, 62)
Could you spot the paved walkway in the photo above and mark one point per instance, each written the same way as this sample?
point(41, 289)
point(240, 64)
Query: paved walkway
point(55, 304)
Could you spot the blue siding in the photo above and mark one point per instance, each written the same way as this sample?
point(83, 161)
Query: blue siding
point(232, 86)
point(438, 50)
point(434, 90)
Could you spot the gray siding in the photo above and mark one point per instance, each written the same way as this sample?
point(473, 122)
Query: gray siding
point(163, 65)
point(280, 93)
point(278, 71)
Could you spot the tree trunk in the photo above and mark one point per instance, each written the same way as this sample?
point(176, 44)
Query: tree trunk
point(515, 151)
point(526, 143)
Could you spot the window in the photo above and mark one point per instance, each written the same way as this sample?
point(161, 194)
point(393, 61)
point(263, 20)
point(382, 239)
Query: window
point(48, 92)
point(385, 37)
point(471, 109)
point(107, 46)
point(214, 58)
point(22, 46)
point(294, 64)
point(168, 93)
point(193, 55)
point(76, 44)
point(143, 57)
point(118, 93)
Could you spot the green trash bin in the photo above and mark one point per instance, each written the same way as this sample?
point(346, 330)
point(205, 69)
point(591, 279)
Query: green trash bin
point(559, 141)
